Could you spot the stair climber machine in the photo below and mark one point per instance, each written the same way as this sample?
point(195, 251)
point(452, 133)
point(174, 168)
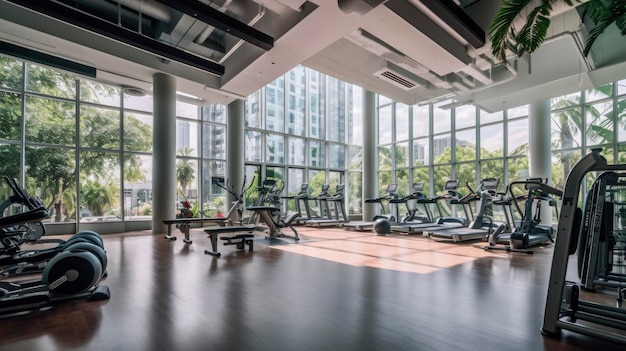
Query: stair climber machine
point(579, 231)
point(390, 194)
point(71, 270)
point(482, 225)
point(530, 231)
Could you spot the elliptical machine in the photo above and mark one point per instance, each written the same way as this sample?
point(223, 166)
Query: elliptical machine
point(71, 270)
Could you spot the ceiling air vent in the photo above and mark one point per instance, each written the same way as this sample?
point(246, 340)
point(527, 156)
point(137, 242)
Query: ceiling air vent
point(398, 76)
point(133, 91)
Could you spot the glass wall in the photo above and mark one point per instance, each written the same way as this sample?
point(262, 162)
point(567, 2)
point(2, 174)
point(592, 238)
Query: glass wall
point(85, 148)
point(312, 134)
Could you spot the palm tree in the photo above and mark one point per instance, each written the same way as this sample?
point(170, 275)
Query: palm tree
point(185, 173)
point(505, 35)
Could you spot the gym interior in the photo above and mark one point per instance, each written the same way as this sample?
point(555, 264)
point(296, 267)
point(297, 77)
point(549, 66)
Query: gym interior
point(308, 175)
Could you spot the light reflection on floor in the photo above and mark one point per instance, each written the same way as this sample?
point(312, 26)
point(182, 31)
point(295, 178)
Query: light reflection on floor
point(407, 253)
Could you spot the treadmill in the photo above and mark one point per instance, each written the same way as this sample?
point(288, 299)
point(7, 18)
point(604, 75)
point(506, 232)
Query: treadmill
point(482, 226)
point(338, 208)
point(430, 223)
point(529, 232)
point(390, 194)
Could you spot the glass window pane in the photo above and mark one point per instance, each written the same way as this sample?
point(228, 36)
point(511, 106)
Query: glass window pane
point(465, 174)
point(465, 116)
point(99, 187)
point(296, 82)
point(274, 148)
point(517, 137)
point(565, 101)
point(621, 87)
point(402, 155)
point(99, 127)
point(317, 105)
point(421, 121)
point(441, 118)
point(383, 100)
point(99, 93)
point(253, 110)
point(466, 145)
point(336, 110)
point(562, 163)
point(486, 117)
point(621, 116)
point(599, 93)
point(48, 81)
point(356, 158)
point(402, 122)
point(10, 115)
point(384, 179)
point(492, 141)
point(52, 172)
point(441, 175)
point(214, 113)
point(50, 121)
point(334, 178)
point(355, 198)
point(517, 169)
point(600, 126)
point(441, 149)
point(214, 199)
point(275, 105)
point(420, 152)
point(295, 180)
point(493, 169)
point(187, 110)
point(187, 140)
point(213, 141)
point(385, 161)
point(10, 73)
point(297, 151)
point(402, 179)
point(384, 125)
point(355, 116)
point(565, 131)
point(337, 156)
point(10, 161)
point(317, 154)
point(519, 111)
point(187, 184)
point(137, 131)
point(421, 174)
point(253, 146)
point(138, 103)
point(137, 187)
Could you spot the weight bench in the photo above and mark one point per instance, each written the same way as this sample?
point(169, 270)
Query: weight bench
point(184, 224)
point(241, 240)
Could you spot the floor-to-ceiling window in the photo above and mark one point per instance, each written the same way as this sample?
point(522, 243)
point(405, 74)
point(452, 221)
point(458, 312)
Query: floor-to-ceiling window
point(301, 128)
point(85, 148)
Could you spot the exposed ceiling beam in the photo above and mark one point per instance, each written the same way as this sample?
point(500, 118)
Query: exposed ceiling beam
point(221, 21)
point(458, 20)
point(123, 35)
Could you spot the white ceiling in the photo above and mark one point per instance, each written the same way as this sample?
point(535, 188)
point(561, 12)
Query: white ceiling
point(404, 39)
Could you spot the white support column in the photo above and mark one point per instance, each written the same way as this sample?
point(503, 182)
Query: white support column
point(163, 151)
point(235, 143)
point(539, 147)
point(370, 156)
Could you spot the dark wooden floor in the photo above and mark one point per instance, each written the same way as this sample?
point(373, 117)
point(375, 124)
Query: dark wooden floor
point(335, 290)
